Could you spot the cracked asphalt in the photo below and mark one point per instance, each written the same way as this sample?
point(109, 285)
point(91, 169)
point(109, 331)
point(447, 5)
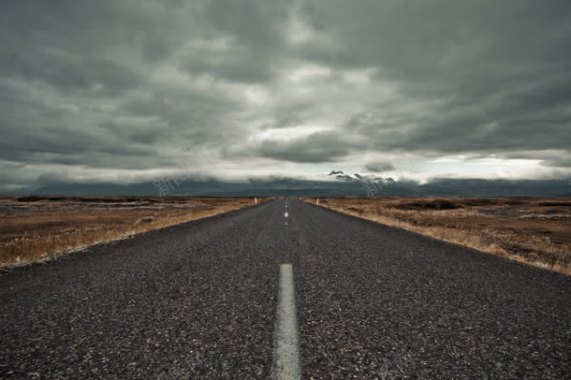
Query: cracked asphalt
point(198, 300)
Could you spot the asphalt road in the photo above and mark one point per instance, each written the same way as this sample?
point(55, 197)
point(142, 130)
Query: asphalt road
point(200, 300)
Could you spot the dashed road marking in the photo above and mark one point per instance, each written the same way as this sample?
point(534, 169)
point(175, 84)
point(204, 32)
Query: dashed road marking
point(286, 214)
point(286, 355)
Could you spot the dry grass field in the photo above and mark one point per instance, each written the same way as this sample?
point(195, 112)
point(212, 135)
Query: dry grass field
point(530, 230)
point(40, 228)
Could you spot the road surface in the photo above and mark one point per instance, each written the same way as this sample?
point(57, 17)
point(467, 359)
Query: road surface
point(216, 298)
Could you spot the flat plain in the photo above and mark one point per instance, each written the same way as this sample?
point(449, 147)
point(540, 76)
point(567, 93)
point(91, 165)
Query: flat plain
point(40, 228)
point(534, 231)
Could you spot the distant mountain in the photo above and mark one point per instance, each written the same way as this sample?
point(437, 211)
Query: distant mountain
point(344, 187)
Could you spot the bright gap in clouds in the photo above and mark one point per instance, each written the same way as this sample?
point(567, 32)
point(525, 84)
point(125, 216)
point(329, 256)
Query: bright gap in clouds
point(489, 167)
point(289, 133)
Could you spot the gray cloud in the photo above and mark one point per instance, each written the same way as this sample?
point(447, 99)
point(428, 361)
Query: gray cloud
point(379, 166)
point(135, 85)
point(501, 65)
point(316, 148)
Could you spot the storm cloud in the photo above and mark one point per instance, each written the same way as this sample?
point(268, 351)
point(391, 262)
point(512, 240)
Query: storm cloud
point(128, 90)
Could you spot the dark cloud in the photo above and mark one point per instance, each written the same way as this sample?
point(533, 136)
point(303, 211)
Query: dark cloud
point(95, 76)
point(135, 85)
point(379, 166)
point(236, 63)
point(316, 148)
point(499, 69)
point(257, 24)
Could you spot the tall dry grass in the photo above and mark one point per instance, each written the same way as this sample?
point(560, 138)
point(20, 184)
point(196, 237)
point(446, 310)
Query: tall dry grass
point(470, 227)
point(71, 231)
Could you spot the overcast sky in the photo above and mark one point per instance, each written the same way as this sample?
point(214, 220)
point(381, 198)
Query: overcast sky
point(124, 91)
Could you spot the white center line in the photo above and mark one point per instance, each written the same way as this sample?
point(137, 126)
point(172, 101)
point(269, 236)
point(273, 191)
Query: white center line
point(286, 214)
point(286, 356)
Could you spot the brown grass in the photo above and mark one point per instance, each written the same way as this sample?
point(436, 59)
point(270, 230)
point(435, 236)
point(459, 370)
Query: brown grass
point(40, 229)
point(529, 230)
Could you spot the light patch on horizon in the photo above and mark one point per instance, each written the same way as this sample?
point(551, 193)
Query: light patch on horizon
point(489, 167)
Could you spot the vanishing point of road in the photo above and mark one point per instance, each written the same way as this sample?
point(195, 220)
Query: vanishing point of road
point(286, 290)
